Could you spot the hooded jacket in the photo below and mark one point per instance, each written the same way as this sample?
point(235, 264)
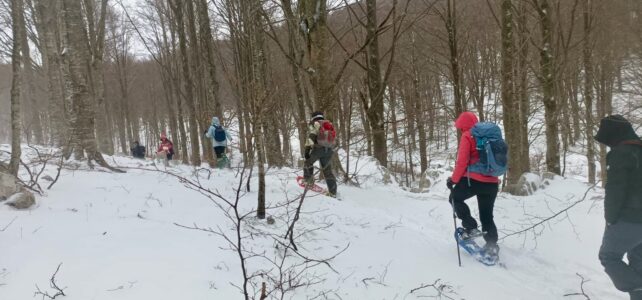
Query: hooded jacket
point(467, 153)
point(212, 131)
point(165, 145)
point(623, 199)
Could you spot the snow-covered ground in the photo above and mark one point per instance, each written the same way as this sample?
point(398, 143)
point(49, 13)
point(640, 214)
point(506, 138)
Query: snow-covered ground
point(116, 237)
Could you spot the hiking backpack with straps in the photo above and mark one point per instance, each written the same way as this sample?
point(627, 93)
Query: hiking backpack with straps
point(327, 134)
point(493, 151)
point(219, 134)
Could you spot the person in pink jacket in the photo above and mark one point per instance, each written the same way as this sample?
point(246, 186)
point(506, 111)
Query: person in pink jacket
point(465, 184)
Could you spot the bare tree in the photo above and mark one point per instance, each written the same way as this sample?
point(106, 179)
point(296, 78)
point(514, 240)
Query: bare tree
point(76, 59)
point(17, 8)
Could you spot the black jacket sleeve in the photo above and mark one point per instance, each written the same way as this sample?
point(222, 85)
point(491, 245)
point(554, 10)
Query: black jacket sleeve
point(619, 172)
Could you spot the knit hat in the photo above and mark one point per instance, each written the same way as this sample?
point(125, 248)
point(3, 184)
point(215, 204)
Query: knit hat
point(317, 115)
point(163, 136)
point(614, 130)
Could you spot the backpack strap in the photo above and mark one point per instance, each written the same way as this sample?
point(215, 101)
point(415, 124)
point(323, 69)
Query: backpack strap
point(632, 142)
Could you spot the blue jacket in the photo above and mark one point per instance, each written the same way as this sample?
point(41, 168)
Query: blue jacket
point(211, 131)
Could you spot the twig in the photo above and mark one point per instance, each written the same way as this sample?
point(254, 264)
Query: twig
point(582, 292)
point(5, 228)
point(544, 220)
point(60, 163)
point(442, 289)
point(52, 282)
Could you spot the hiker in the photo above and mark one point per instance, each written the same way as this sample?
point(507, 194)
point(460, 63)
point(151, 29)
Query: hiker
point(622, 205)
point(165, 148)
point(319, 146)
point(219, 136)
point(138, 151)
point(466, 183)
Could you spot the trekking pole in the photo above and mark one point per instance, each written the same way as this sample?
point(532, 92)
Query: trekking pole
point(452, 204)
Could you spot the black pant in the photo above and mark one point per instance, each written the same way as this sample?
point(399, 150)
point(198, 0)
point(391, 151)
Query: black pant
point(619, 239)
point(170, 156)
point(219, 150)
point(486, 194)
point(324, 155)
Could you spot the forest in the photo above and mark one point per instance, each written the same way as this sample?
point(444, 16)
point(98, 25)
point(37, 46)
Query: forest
point(84, 80)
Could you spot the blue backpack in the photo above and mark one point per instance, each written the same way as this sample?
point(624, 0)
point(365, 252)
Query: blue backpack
point(493, 151)
point(219, 134)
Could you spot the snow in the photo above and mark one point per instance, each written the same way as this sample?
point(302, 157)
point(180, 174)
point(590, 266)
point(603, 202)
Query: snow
point(116, 238)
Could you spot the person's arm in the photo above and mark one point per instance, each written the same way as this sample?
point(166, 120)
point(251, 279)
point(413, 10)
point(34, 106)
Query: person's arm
point(210, 132)
point(314, 132)
point(619, 163)
point(463, 158)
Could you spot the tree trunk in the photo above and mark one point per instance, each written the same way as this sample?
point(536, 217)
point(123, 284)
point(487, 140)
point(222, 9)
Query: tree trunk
point(77, 82)
point(509, 102)
point(547, 79)
point(588, 91)
point(188, 83)
point(376, 87)
point(451, 28)
point(48, 12)
point(18, 27)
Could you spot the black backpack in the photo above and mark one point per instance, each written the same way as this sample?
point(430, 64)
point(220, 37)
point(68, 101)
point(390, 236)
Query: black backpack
point(219, 134)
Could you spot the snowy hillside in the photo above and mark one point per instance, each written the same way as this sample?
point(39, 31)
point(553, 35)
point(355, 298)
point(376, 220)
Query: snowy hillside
point(117, 237)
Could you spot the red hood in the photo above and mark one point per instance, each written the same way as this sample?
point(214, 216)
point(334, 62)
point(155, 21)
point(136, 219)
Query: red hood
point(466, 121)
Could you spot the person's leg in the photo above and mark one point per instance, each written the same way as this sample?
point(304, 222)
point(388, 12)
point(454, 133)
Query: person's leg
point(620, 238)
point(635, 259)
point(308, 166)
point(218, 150)
point(486, 203)
point(460, 193)
point(326, 167)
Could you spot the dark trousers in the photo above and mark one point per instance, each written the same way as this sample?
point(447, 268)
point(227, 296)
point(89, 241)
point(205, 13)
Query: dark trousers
point(486, 194)
point(170, 156)
point(219, 150)
point(324, 155)
point(619, 239)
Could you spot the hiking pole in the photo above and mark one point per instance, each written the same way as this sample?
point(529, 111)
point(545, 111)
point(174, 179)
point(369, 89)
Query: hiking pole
point(452, 204)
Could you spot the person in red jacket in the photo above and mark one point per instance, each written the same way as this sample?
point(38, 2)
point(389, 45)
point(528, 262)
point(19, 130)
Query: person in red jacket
point(166, 147)
point(465, 184)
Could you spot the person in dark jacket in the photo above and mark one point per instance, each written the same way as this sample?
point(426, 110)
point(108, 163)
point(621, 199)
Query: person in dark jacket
point(622, 205)
point(314, 151)
point(465, 184)
point(138, 151)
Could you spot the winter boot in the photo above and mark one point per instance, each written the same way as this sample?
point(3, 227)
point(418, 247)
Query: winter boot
point(491, 249)
point(471, 234)
point(309, 182)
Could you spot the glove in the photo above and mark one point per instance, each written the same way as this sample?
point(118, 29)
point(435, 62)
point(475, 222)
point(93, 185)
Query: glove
point(449, 183)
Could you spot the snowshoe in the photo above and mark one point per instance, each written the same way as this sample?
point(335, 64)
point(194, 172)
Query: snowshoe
point(477, 252)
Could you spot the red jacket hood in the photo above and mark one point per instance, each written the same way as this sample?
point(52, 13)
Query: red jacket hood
point(466, 121)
